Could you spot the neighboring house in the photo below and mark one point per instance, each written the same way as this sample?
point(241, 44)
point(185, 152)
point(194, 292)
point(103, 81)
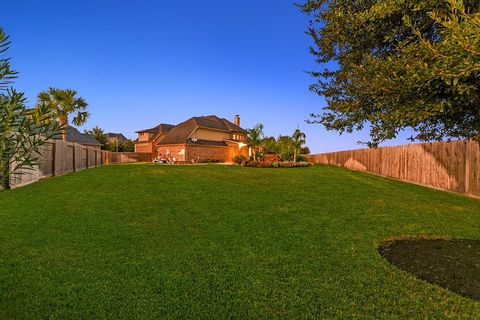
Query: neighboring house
point(73, 135)
point(115, 137)
point(148, 139)
point(198, 139)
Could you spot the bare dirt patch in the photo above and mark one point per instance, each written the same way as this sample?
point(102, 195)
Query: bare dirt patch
point(451, 264)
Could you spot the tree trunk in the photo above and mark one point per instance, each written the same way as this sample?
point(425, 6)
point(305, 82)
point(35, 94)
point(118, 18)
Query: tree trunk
point(295, 155)
point(64, 123)
point(5, 175)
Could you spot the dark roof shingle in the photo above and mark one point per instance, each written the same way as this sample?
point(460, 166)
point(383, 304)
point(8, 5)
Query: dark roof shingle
point(118, 136)
point(180, 133)
point(162, 127)
point(73, 135)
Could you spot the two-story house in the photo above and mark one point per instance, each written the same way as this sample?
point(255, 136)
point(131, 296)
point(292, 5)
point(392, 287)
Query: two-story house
point(197, 139)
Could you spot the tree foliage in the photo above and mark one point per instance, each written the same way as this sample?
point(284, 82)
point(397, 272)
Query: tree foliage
point(62, 103)
point(391, 65)
point(120, 146)
point(255, 136)
point(22, 131)
point(270, 145)
point(7, 75)
point(99, 135)
point(298, 140)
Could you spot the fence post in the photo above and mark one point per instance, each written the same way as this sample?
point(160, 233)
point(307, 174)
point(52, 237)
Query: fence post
point(54, 153)
point(74, 162)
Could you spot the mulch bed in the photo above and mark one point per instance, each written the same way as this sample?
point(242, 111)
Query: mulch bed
point(451, 264)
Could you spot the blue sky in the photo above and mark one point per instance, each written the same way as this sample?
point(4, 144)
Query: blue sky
point(139, 63)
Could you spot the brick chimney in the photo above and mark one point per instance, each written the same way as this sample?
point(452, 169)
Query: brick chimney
point(236, 120)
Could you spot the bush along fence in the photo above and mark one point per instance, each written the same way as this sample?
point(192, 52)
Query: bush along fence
point(60, 157)
point(452, 166)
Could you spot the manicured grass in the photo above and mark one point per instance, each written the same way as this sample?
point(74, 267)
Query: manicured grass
point(152, 241)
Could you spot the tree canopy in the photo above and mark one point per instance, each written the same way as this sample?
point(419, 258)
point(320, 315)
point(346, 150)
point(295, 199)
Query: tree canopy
point(255, 136)
point(61, 103)
point(390, 65)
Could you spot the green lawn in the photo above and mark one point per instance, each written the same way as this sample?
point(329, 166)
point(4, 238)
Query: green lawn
point(152, 241)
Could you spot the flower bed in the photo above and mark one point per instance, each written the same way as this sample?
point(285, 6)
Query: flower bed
point(284, 164)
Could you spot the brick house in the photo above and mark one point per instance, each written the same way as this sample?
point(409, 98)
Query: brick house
point(198, 139)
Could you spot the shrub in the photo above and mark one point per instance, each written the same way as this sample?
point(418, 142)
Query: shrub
point(285, 164)
point(239, 159)
point(301, 158)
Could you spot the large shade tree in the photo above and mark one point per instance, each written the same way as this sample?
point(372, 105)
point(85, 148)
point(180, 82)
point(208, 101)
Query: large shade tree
point(390, 65)
point(62, 103)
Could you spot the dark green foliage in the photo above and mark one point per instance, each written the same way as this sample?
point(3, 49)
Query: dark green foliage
point(255, 136)
point(397, 65)
point(99, 135)
point(305, 150)
point(282, 164)
point(7, 75)
point(287, 147)
point(222, 242)
point(239, 159)
point(270, 145)
point(22, 131)
point(121, 146)
point(63, 102)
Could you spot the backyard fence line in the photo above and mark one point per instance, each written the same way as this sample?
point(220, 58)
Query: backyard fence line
point(59, 157)
point(452, 166)
point(127, 157)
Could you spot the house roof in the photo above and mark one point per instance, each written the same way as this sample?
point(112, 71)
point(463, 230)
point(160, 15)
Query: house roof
point(202, 142)
point(73, 135)
point(180, 133)
point(162, 127)
point(119, 136)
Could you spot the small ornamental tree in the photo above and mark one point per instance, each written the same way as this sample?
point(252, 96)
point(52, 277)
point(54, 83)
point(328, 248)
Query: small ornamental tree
point(285, 147)
point(99, 135)
point(298, 140)
point(255, 136)
point(270, 145)
point(22, 131)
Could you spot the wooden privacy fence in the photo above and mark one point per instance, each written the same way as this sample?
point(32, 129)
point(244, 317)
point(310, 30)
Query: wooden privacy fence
point(453, 166)
point(59, 157)
point(126, 157)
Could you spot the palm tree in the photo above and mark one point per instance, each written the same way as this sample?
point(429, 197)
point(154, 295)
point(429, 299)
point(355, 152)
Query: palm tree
point(61, 103)
point(270, 145)
point(255, 136)
point(285, 147)
point(298, 139)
